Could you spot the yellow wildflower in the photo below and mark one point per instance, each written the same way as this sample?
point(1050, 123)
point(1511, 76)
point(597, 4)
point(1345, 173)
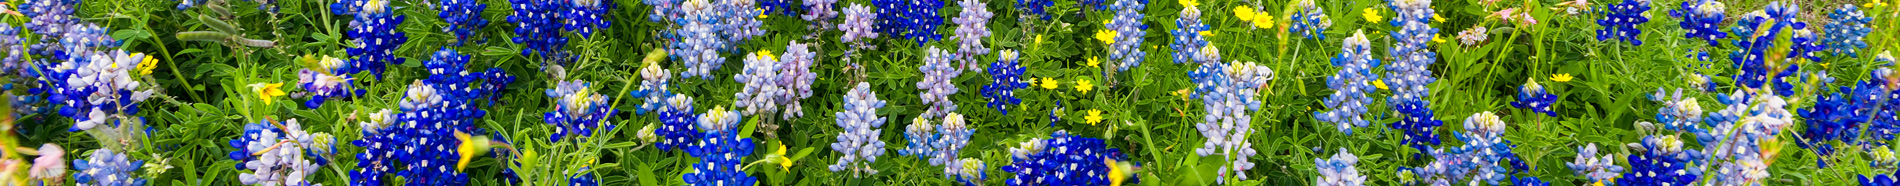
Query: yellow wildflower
point(1263, 21)
point(470, 147)
point(1372, 15)
point(1038, 39)
point(761, 15)
point(1436, 18)
point(1561, 77)
point(267, 91)
point(783, 162)
point(1095, 61)
point(1207, 33)
point(1380, 84)
point(1189, 3)
point(146, 66)
point(1243, 12)
point(1115, 172)
point(1094, 117)
point(1083, 85)
point(1050, 83)
point(1107, 36)
point(1437, 39)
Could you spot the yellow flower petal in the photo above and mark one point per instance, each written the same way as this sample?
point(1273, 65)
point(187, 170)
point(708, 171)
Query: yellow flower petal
point(1095, 62)
point(1437, 39)
point(1050, 83)
point(1372, 15)
point(146, 66)
point(1038, 39)
point(1380, 84)
point(1189, 3)
point(1115, 173)
point(761, 12)
point(1106, 36)
point(1561, 77)
point(1207, 33)
point(1243, 12)
point(783, 162)
point(1083, 85)
point(1436, 18)
point(267, 91)
point(1095, 116)
point(469, 147)
point(1263, 21)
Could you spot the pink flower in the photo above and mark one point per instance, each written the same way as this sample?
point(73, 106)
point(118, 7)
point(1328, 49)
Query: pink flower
point(50, 165)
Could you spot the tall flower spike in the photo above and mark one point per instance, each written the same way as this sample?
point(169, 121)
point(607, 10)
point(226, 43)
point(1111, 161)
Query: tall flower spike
point(1662, 163)
point(1350, 85)
point(1006, 75)
point(1533, 96)
point(96, 89)
point(432, 110)
point(857, 26)
point(972, 27)
point(916, 20)
point(1755, 71)
point(585, 16)
point(1037, 8)
point(578, 110)
point(721, 152)
point(1620, 20)
point(859, 142)
point(781, 7)
point(677, 129)
point(275, 156)
point(1130, 29)
point(1847, 31)
point(654, 82)
point(761, 90)
point(464, 18)
point(106, 167)
point(1595, 168)
point(700, 40)
point(739, 21)
point(324, 81)
point(795, 78)
point(1702, 19)
point(1310, 20)
point(1226, 122)
point(936, 85)
point(819, 12)
point(374, 38)
point(1188, 39)
point(954, 134)
point(1339, 171)
point(1407, 74)
point(1063, 159)
point(538, 25)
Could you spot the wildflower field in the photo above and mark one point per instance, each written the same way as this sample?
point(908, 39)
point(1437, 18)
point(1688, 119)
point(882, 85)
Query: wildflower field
point(949, 92)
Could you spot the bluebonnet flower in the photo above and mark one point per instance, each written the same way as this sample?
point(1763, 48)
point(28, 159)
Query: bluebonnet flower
point(1883, 129)
point(721, 152)
point(1532, 96)
point(760, 92)
point(1407, 74)
point(677, 118)
point(700, 40)
point(969, 171)
point(587, 179)
point(653, 91)
point(1620, 20)
point(1597, 169)
point(1126, 51)
point(1847, 31)
point(917, 137)
point(783, 7)
point(1097, 4)
point(538, 25)
point(49, 18)
point(107, 168)
point(422, 148)
point(185, 4)
point(738, 21)
point(916, 20)
point(1350, 85)
point(1738, 152)
point(819, 11)
point(936, 84)
point(1528, 181)
point(1310, 20)
point(664, 11)
point(972, 27)
point(1006, 75)
point(952, 135)
point(1661, 161)
point(857, 26)
point(1339, 170)
point(374, 39)
point(1228, 106)
point(1702, 19)
point(1879, 180)
point(347, 7)
point(464, 18)
point(578, 110)
point(795, 78)
point(1805, 45)
point(1037, 7)
point(96, 88)
point(1838, 116)
point(14, 61)
point(275, 156)
point(324, 81)
point(859, 142)
point(1752, 58)
point(585, 16)
point(1062, 159)
point(1485, 146)
point(1187, 36)
point(1678, 113)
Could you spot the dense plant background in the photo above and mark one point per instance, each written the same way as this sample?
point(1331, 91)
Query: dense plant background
point(206, 96)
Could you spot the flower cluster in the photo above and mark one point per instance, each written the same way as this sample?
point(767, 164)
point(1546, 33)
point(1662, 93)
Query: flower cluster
point(1408, 75)
point(1350, 85)
point(1620, 20)
point(1474, 36)
point(1188, 36)
point(324, 80)
point(1755, 71)
point(972, 27)
point(916, 20)
point(795, 78)
point(1126, 51)
point(857, 26)
point(700, 39)
point(653, 91)
point(677, 118)
point(952, 135)
point(1037, 7)
point(374, 38)
point(538, 25)
point(1228, 104)
point(1063, 159)
point(1597, 169)
point(1486, 146)
point(860, 122)
point(585, 16)
point(1661, 161)
point(578, 110)
point(969, 171)
point(1339, 171)
point(97, 88)
point(936, 84)
point(107, 168)
point(276, 154)
point(1739, 152)
point(1532, 96)
point(771, 84)
point(14, 49)
point(739, 21)
point(464, 18)
point(1883, 129)
point(1839, 116)
point(1847, 31)
point(1310, 20)
point(48, 18)
point(1702, 19)
point(819, 11)
point(1006, 75)
point(1678, 113)
point(422, 148)
point(721, 152)
point(1880, 180)
point(664, 11)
